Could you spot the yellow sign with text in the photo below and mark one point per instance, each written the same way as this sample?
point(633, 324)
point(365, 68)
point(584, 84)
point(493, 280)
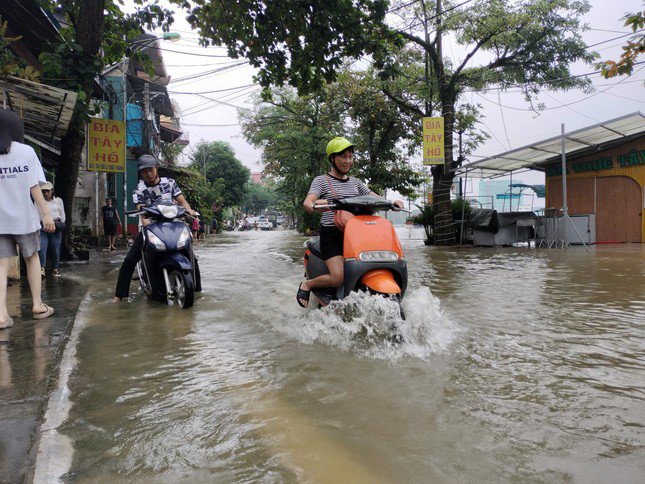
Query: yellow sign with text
point(433, 141)
point(106, 146)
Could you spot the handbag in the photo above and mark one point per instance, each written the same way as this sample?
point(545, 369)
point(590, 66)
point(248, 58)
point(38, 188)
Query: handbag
point(341, 217)
point(60, 225)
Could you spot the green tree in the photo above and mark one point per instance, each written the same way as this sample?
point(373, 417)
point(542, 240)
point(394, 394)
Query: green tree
point(529, 44)
point(381, 130)
point(10, 64)
point(200, 193)
point(262, 196)
point(221, 167)
point(92, 38)
point(298, 43)
point(634, 46)
point(293, 131)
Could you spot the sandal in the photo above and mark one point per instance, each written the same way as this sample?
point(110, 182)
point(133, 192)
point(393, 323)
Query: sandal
point(302, 295)
point(45, 314)
point(7, 324)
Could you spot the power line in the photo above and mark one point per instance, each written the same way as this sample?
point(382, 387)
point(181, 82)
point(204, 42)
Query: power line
point(192, 53)
point(210, 125)
point(571, 109)
point(615, 38)
point(212, 92)
point(211, 71)
point(201, 107)
point(547, 80)
point(605, 30)
point(195, 65)
point(503, 120)
point(563, 105)
point(190, 78)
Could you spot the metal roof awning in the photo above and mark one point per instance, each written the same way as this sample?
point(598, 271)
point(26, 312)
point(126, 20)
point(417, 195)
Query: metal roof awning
point(536, 155)
point(540, 190)
point(45, 110)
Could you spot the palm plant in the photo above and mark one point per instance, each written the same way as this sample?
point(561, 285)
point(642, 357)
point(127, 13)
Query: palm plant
point(426, 219)
point(459, 207)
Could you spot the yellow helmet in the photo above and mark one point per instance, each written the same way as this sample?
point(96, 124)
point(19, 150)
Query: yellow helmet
point(338, 145)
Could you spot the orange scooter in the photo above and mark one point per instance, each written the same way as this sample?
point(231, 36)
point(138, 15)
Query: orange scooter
point(374, 260)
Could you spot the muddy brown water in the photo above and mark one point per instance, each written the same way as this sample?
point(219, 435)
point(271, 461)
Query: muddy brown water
point(518, 365)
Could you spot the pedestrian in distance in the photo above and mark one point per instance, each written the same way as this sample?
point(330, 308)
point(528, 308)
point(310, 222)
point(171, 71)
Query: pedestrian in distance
point(201, 233)
point(50, 242)
point(20, 176)
point(111, 221)
point(336, 184)
point(195, 228)
point(152, 188)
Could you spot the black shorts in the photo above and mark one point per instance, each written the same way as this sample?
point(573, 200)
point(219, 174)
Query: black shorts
point(109, 228)
point(331, 242)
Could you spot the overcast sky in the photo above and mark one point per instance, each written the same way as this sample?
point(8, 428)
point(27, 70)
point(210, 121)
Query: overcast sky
point(209, 87)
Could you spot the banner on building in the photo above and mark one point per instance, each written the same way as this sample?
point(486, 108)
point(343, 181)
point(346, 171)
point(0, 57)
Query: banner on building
point(106, 146)
point(433, 141)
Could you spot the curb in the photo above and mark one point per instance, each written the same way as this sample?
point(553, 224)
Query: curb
point(55, 451)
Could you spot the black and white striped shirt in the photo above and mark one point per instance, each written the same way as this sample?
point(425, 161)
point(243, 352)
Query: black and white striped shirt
point(166, 190)
point(348, 187)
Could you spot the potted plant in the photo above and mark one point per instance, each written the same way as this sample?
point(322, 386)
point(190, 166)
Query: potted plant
point(426, 219)
point(80, 246)
point(458, 207)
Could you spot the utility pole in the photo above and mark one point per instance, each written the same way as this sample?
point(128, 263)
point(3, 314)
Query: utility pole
point(124, 80)
point(146, 117)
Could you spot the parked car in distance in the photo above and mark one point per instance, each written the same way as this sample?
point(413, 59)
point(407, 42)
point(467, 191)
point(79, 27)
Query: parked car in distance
point(264, 223)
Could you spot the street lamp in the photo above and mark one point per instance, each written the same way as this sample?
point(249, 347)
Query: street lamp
point(140, 45)
point(171, 36)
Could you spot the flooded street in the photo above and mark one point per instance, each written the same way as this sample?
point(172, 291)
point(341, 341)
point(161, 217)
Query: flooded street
point(517, 365)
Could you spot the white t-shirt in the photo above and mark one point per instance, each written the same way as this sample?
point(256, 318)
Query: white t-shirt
point(20, 170)
point(56, 208)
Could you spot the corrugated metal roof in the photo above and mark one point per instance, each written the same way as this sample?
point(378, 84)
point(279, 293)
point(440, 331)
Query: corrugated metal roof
point(536, 155)
point(45, 110)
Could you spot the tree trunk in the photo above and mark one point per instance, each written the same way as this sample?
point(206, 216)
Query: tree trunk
point(442, 177)
point(67, 172)
point(89, 34)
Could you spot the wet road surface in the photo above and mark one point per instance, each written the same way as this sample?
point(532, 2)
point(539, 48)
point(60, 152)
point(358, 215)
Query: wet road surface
point(517, 366)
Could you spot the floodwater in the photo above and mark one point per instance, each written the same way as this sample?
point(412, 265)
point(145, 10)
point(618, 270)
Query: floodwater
point(517, 365)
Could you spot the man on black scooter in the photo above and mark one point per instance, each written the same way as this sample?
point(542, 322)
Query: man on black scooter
point(151, 189)
point(324, 188)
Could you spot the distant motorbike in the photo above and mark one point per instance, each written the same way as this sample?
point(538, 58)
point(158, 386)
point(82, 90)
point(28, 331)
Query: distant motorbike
point(374, 260)
point(167, 267)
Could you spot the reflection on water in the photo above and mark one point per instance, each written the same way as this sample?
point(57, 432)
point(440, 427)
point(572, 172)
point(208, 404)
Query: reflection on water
point(516, 365)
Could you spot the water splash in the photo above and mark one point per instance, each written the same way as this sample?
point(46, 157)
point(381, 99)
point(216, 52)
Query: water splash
point(373, 327)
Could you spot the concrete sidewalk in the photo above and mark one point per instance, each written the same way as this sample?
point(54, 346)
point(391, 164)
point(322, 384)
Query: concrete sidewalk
point(30, 354)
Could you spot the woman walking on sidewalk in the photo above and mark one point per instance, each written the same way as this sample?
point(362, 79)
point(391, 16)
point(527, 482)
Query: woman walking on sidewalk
point(20, 174)
point(52, 240)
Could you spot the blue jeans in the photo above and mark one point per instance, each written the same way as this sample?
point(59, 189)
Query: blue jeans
point(53, 242)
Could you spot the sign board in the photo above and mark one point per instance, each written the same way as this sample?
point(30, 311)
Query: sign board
point(106, 146)
point(433, 141)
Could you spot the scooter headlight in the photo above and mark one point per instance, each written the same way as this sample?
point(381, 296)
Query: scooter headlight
point(156, 241)
point(183, 238)
point(378, 256)
point(169, 211)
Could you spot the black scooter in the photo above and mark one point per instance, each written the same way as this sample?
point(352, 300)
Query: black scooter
point(167, 267)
